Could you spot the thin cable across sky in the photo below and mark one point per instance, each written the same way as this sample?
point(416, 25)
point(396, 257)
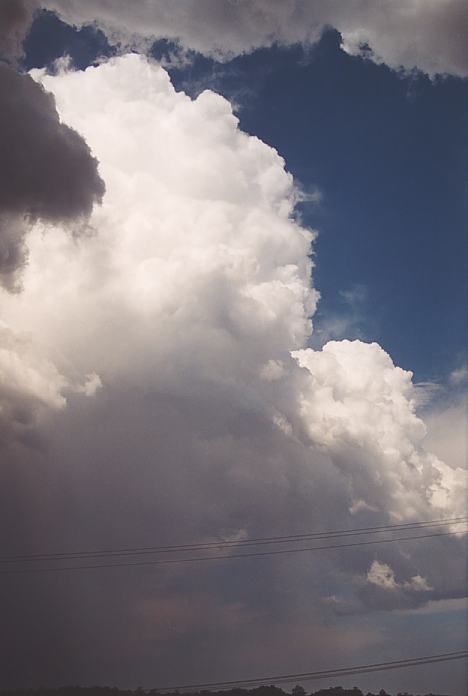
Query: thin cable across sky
point(235, 556)
point(323, 674)
point(226, 543)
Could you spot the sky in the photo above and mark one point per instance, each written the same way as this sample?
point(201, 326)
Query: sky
point(233, 286)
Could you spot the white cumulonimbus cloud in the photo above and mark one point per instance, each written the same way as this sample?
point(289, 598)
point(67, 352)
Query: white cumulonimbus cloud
point(184, 313)
point(429, 35)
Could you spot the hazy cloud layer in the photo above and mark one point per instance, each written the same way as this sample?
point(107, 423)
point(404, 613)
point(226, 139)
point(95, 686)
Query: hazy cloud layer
point(448, 429)
point(431, 35)
point(177, 335)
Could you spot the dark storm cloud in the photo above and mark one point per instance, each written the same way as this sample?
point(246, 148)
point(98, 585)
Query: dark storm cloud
point(13, 253)
point(137, 478)
point(47, 170)
point(15, 19)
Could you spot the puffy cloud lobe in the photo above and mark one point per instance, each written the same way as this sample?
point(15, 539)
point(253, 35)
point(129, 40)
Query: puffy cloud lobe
point(187, 303)
point(360, 406)
point(380, 588)
point(382, 575)
point(30, 385)
point(430, 35)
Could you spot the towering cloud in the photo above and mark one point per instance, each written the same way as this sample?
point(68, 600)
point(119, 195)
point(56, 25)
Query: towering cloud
point(156, 383)
point(196, 289)
point(430, 35)
point(163, 363)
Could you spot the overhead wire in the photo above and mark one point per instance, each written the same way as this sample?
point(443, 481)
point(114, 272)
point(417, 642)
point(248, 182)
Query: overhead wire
point(197, 559)
point(208, 546)
point(321, 674)
point(240, 543)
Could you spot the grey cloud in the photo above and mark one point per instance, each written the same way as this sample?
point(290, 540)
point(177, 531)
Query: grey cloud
point(153, 469)
point(29, 386)
point(47, 171)
point(13, 251)
point(425, 34)
point(15, 19)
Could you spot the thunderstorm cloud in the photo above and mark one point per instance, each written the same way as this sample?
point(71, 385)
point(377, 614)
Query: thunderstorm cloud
point(156, 374)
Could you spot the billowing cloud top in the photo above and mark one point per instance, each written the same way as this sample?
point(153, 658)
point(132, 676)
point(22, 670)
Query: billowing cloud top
point(430, 35)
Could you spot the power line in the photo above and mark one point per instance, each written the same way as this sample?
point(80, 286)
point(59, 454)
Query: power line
point(226, 544)
point(323, 674)
point(165, 561)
